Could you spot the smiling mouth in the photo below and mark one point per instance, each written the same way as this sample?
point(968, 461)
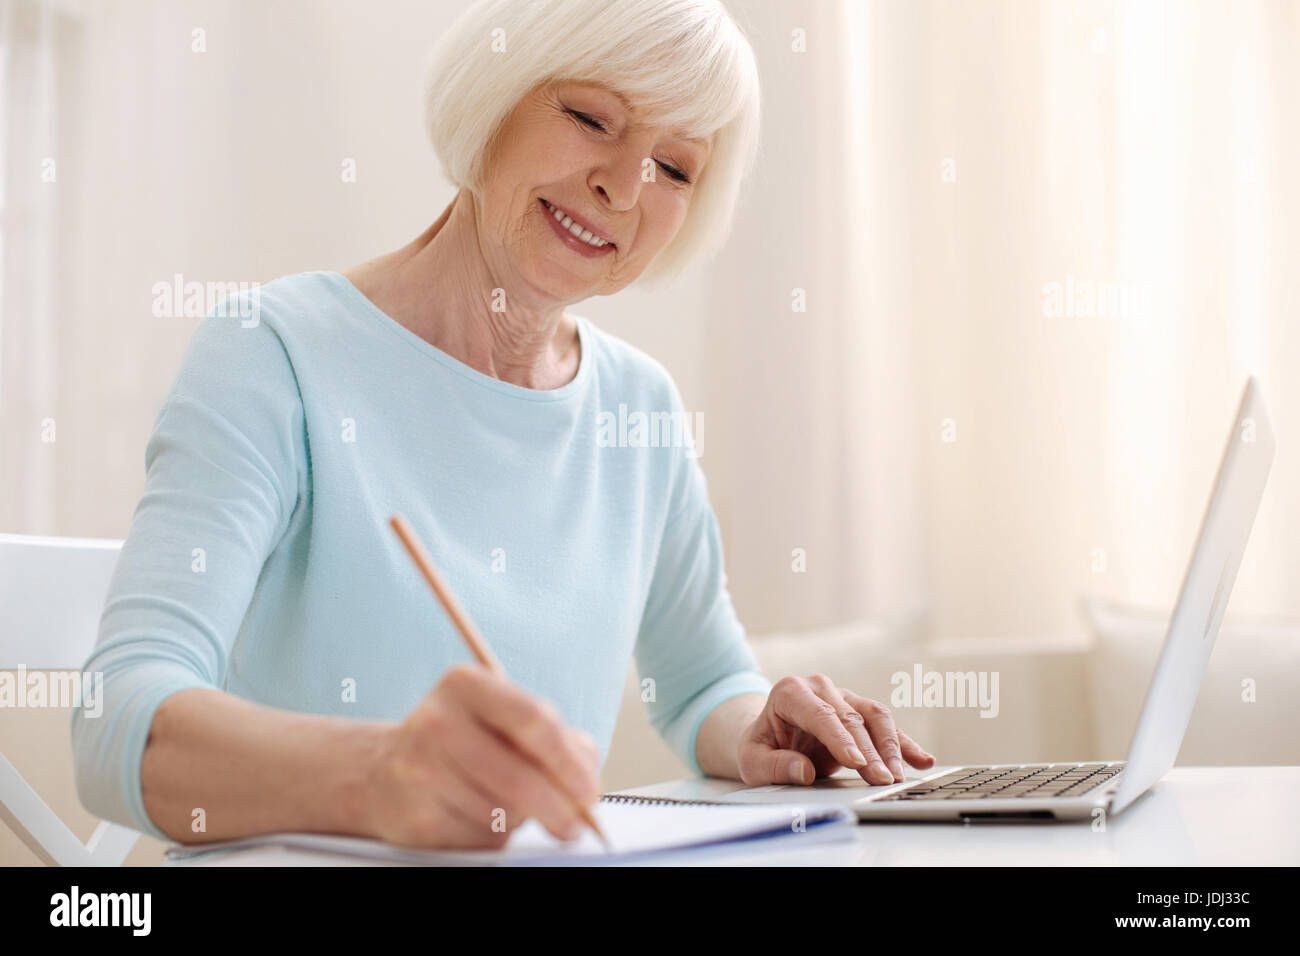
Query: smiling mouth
point(566, 222)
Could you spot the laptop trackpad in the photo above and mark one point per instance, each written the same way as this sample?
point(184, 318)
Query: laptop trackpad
point(840, 782)
point(827, 783)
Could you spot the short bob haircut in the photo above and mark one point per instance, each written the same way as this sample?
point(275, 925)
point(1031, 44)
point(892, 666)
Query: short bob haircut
point(685, 62)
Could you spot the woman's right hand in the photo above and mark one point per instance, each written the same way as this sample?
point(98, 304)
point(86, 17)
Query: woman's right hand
point(474, 760)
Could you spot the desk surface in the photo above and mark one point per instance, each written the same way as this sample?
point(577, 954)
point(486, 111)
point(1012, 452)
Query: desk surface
point(1195, 816)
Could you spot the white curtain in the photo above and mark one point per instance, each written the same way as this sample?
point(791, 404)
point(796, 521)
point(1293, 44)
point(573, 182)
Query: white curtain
point(953, 428)
point(37, 43)
point(928, 170)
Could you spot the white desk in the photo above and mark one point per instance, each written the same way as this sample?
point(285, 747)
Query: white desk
point(1195, 816)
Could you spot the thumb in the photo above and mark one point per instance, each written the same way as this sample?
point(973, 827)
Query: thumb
point(770, 765)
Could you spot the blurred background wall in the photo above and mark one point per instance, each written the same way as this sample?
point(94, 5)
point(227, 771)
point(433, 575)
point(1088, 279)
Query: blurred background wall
point(928, 170)
point(1040, 247)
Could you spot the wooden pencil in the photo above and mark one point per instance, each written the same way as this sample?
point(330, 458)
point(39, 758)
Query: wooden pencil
point(477, 644)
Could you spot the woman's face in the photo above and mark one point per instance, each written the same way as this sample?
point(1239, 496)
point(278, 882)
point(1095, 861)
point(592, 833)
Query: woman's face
point(579, 148)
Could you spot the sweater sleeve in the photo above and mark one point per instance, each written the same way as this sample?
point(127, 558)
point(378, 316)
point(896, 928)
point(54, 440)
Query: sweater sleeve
point(691, 644)
point(223, 470)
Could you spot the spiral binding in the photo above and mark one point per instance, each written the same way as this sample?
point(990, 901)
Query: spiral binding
point(637, 800)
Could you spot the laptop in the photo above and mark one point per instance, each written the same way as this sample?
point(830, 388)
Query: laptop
point(1084, 790)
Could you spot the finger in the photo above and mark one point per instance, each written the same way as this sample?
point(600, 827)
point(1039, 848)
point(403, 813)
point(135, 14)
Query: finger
point(510, 778)
point(913, 753)
point(874, 769)
point(532, 724)
point(468, 816)
point(761, 764)
point(824, 765)
point(794, 701)
point(460, 790)
point(880, 724)
point(910, 750)
point(589, 745)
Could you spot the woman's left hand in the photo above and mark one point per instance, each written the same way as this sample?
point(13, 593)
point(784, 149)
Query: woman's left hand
point(810, 728)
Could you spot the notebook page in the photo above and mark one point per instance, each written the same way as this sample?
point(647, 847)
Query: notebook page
point(637, 827)
point(633, 829)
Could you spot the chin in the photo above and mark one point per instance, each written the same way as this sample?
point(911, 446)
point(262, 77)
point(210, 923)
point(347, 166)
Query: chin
point(556, 279)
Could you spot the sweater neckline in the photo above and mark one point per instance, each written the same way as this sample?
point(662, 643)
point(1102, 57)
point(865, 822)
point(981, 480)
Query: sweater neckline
point(573, 387)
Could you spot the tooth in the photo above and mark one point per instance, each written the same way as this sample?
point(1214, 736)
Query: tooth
point(577, 231)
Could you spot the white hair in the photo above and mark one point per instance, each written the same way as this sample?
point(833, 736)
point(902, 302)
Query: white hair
point(686, 61)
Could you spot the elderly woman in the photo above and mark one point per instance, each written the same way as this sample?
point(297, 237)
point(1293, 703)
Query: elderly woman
point(272, 660)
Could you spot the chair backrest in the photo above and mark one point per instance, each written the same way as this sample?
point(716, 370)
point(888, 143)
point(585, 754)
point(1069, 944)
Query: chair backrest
point(52, 592)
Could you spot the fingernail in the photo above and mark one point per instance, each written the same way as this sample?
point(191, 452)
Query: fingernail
point(796, 770)
point(880, 769)
point(574, 831)
point(896, 766)
point(856, 756)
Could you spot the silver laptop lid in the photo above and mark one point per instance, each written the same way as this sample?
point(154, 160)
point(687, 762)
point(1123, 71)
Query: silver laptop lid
point(1243, 472)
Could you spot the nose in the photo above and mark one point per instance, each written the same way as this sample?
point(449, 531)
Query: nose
point(618, 183)
point(604, 195)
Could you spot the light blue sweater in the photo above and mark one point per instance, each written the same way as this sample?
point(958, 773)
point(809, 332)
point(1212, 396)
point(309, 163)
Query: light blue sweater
point(260, 560)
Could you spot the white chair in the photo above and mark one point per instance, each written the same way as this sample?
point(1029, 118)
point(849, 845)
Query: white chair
point(52, 592)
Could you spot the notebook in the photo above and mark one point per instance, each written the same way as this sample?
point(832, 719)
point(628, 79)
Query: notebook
point(638, 828)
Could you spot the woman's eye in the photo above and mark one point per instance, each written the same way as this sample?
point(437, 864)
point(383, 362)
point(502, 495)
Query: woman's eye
point(583, 117)
point(675, 173)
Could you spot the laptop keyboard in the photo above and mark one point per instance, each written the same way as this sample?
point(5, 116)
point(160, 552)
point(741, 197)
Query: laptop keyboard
point(1030, 780)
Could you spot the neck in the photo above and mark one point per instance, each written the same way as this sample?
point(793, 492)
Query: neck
point(441, 287)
